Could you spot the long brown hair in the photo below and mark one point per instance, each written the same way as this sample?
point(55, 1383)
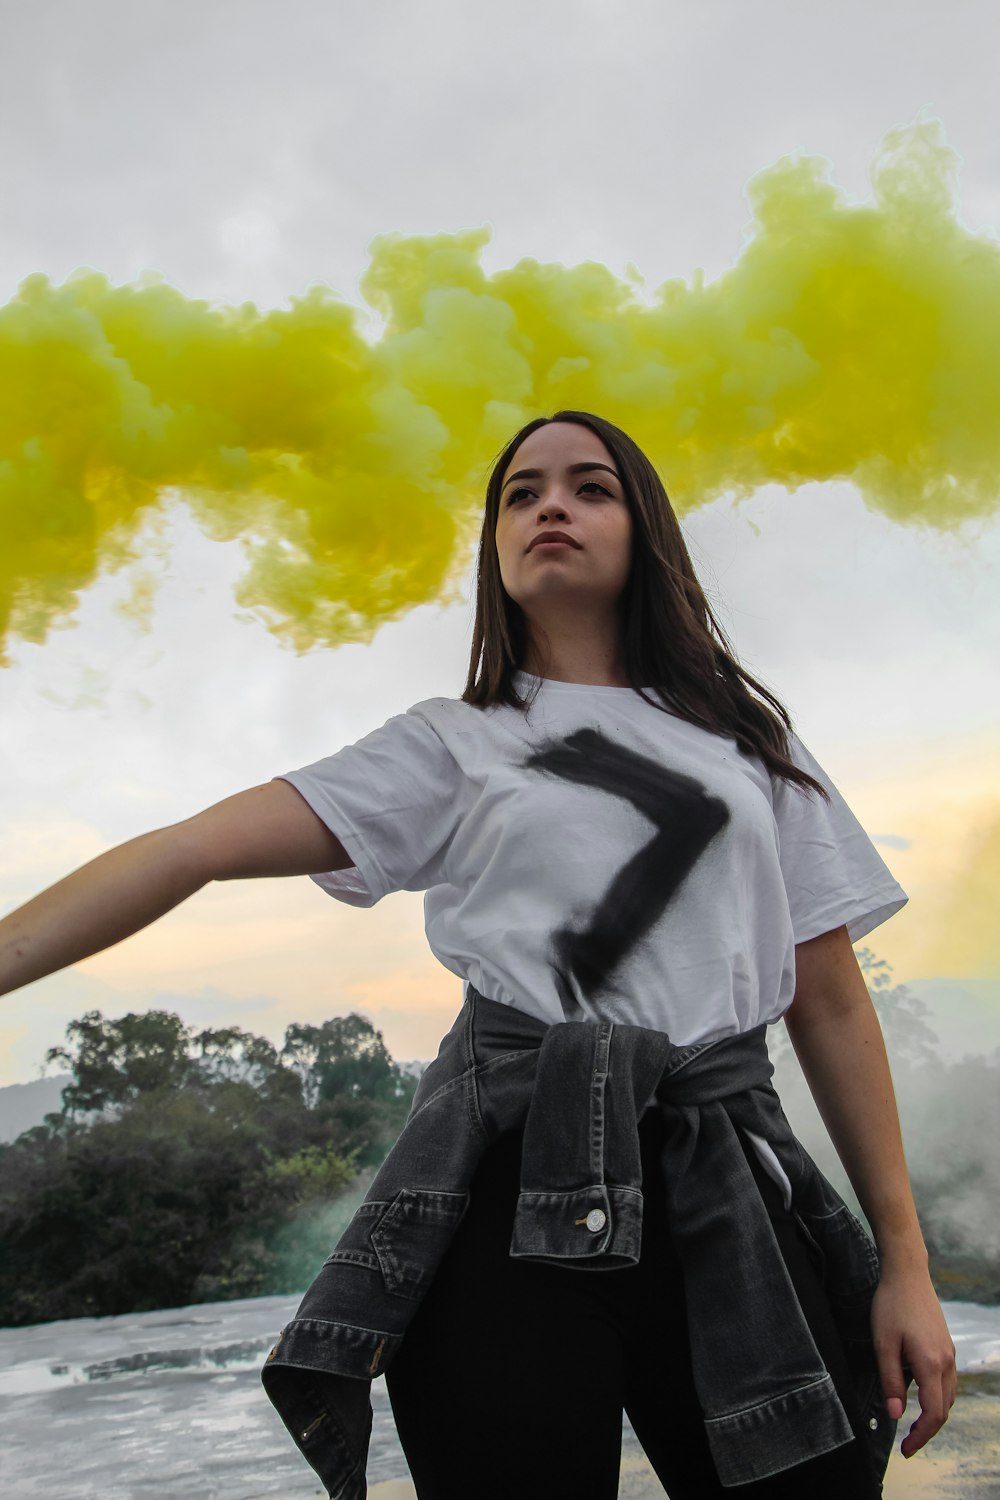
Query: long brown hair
point(672, 641)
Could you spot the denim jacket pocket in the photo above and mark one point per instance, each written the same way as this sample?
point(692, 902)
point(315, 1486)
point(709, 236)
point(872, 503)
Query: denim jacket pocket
point(412, 1235)
point(850, 1259)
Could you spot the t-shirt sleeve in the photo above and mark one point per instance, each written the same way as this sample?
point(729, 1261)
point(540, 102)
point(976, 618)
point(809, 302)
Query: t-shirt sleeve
point(392, 799)
point(832, 871)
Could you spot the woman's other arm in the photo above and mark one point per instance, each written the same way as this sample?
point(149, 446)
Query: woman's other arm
point(267, 830)
point(838, 1042)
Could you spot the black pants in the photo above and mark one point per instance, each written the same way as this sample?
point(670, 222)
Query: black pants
point(513, 1375)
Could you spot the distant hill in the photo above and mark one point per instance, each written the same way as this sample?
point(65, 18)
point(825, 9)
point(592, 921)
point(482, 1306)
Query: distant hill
point(965, 1013)
point(414, 1067)
point(23, 1105)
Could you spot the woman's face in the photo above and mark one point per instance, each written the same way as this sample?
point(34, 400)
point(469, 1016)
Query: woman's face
point(587, 506)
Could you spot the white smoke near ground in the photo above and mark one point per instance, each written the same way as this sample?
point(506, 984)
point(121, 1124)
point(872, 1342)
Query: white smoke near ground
point(949, 1113)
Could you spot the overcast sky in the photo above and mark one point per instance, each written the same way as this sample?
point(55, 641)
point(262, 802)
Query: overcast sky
point(247, 150)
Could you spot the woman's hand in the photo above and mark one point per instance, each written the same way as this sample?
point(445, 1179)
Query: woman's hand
point(908, 1327)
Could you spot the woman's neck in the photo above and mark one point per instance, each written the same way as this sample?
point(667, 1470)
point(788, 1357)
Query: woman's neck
point(575, 662)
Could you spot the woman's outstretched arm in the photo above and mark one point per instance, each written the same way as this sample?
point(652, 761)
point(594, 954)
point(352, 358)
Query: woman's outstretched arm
point(267, 830)
point(838, 1042)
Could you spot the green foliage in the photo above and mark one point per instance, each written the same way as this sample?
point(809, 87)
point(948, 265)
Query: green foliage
point(343, 1058)
point(187, 1166)
point(309, 1173)
point(114, 1061)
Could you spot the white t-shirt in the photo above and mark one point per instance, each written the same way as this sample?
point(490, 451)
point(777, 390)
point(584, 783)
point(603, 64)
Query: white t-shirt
point(595, 857)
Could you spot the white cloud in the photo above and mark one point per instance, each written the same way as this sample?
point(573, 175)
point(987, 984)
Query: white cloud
point(246, 151)
point(250, 235)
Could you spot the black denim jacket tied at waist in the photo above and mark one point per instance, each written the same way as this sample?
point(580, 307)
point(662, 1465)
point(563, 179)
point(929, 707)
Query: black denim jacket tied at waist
point(577, 1090)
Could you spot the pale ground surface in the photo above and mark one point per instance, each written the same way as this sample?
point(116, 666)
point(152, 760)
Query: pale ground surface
point(168, 1405)
point(961, 1463)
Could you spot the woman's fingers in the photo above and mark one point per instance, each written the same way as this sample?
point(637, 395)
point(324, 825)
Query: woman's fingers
point(936, 1390)
point(909, 1326)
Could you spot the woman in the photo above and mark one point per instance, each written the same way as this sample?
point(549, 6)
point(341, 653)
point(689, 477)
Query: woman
point(611, 829)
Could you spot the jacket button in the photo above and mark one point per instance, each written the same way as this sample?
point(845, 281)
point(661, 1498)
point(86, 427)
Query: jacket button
point(596, 1219)
point(873, 1423)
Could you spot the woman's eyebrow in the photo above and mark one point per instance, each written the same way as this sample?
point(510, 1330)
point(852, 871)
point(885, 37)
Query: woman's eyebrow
point(570, 469)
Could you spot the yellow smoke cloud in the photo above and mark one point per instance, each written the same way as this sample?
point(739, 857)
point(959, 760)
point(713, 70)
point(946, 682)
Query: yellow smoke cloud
point(847, 341)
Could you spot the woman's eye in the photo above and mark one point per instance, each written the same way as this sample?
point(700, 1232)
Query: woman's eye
point(589, 484)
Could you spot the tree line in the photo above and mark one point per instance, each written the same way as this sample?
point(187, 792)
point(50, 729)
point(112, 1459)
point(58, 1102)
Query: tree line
point(190, 1166)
